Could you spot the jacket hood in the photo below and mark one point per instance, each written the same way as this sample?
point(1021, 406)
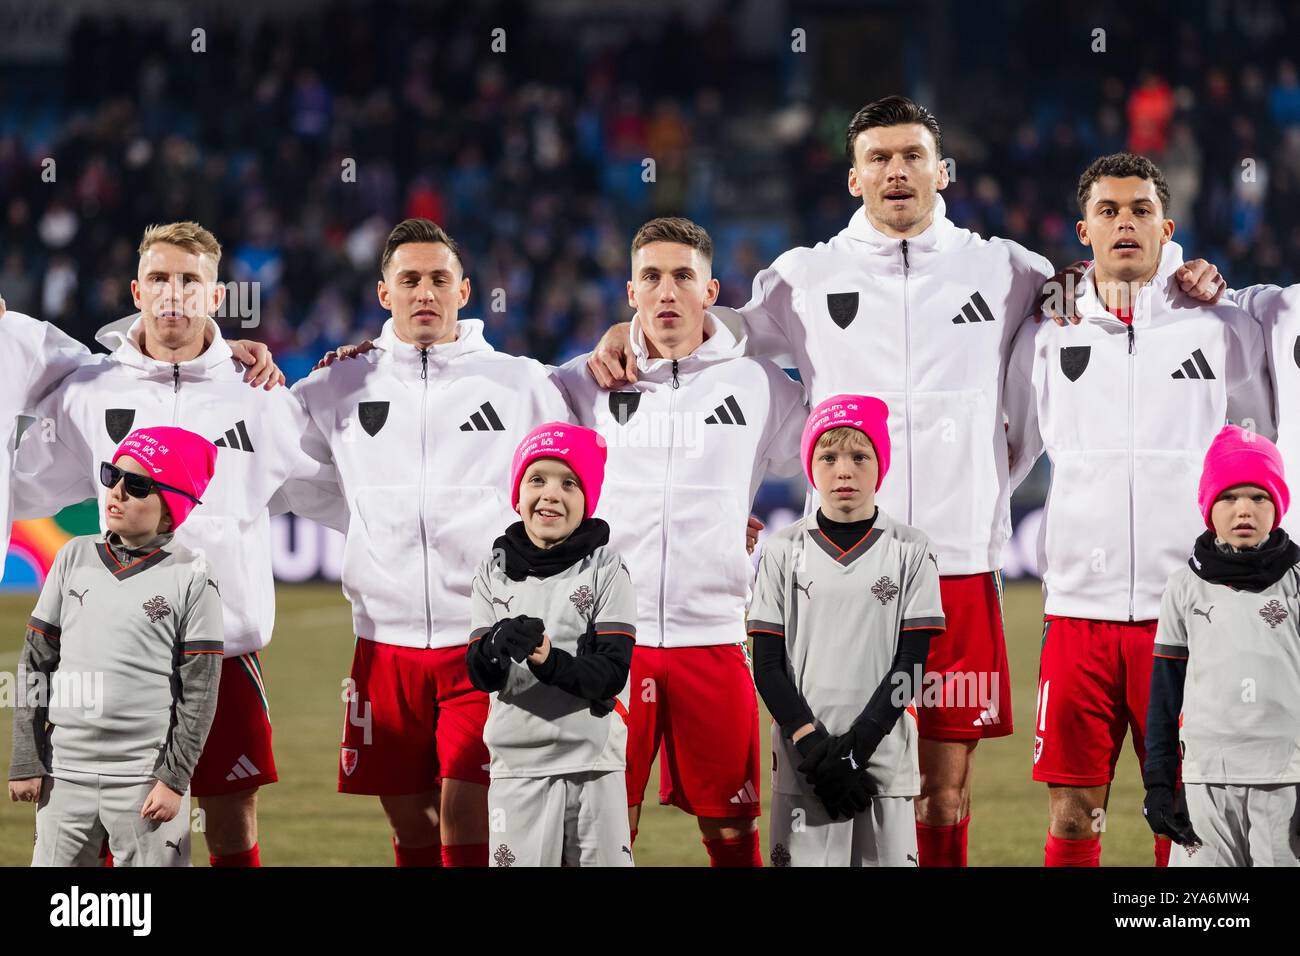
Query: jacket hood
point(937, 236)
point(469, 339)
point(1159, 292)
point(721, 346)
point(125, 339)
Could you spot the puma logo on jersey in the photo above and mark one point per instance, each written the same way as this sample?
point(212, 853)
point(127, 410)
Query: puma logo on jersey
point(505, 604)
point(236, 438)
point(1194, 367)
point(81, 598)
point(1204, 614)
point(720, 416)
point(806, 589)
point(627, 850)
point(175, 846)
point(484, 420)
point(976, 310)
point(934, 559)
point(853, 764)
point(213, 584)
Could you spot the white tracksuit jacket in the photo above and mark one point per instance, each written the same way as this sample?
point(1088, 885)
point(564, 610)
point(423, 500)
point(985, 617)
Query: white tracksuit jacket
point(34, 357)
point(1277, 311)
point(926, 325)
point(688, 447)
point(422, 440)
point(260, 436)
point(1126, 414)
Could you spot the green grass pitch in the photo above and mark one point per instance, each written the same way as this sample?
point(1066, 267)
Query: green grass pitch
point(305, 822)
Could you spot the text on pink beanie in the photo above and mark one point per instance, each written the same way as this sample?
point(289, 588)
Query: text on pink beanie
point(580, 448)
point(867, 414)
point(176, 457)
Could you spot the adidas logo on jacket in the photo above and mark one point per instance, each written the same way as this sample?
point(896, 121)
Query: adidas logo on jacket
point(1127, 434)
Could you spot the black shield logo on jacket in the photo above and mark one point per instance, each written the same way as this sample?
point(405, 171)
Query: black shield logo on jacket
point(843, 307)
point(622, 405)
point(118, 422)
point(1074, 359)
point(372, 416)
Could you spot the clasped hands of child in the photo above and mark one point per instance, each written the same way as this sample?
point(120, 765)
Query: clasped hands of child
point(520, 638)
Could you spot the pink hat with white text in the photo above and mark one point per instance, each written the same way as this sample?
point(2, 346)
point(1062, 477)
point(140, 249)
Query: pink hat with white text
point(867, 414)
point(580, 448)
point(174, 457)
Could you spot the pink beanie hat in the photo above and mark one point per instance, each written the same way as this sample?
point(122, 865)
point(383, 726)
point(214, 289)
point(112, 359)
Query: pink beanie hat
point(868, 415)
point(1239, 457)
point(175, 457)
point(580, 448)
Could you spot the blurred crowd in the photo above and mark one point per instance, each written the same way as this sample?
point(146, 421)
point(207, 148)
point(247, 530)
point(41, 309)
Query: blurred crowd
point(535, 158)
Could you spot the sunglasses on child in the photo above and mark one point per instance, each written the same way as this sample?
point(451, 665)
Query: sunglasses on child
point(137, 486)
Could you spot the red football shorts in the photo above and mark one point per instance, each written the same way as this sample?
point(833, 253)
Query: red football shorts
point(1094, 680)
point(971, 654)
point(413, 719)
point(237, 754)
point(697, 709)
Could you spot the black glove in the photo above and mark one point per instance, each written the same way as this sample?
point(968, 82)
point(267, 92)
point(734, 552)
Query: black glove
point(489, 646)
point(811, 747)
point(1166, 810)
point(845, 794)
point(517, 637)
point(852, 748)
point(842, 781)
point(837, 769)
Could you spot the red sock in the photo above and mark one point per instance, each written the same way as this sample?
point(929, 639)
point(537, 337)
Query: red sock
point(742, 851)
point(633, 840)
point(1163, 845)
point(1062, 852)
point(417, 855)
point(465, 854)
point(942, 846)
point(249, 857)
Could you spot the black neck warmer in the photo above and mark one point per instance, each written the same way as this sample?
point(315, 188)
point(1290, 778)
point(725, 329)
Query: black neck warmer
point(524, 559)
point(1251, 570)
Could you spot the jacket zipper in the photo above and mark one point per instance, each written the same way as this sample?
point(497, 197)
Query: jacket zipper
point(1132, 509)
point(663, 521)
point(176, 392)
point(907, 382)
point(424, 534)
